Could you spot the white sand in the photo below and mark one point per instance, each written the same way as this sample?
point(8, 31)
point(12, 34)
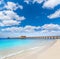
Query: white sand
point(52, 51)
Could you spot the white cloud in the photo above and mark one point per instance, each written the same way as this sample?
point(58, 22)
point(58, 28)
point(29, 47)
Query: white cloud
point(51, 27)
point(10, 22)
point(33, 1)
point(27, 1)
point(51, 3)
point(47, 29)
point(13, 29)
point(29, 28)
point(25, 29)
point(13, 6)
point(9, 18)
point(55, 14)
point(20, 6)
point(21, 18)
point(38, 1)
point(14, 15)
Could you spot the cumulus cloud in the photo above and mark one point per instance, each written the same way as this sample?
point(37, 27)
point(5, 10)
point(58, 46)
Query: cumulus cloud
point(10, 5)
point(13, 6)
point(13, 15)
point(10, 22)
point(47, 29)
point(56, 14)
point(51, 3)
point(51, 27)
point(27, 29)
point(12, 29)
point(9, 18)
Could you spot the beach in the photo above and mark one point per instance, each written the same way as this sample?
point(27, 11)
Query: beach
point(51, 51)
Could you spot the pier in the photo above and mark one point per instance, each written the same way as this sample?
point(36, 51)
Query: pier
point(41, 37)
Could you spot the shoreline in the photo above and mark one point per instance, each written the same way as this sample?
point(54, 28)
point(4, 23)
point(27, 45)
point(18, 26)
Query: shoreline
point(19, 52)
point(53, 52)
point(24, 52)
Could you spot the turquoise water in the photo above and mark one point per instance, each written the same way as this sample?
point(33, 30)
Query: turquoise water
point(10, 43)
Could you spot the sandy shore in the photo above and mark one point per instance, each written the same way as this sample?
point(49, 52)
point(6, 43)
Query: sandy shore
point(51, 51)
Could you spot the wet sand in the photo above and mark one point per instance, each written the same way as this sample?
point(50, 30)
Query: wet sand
point(51, 51)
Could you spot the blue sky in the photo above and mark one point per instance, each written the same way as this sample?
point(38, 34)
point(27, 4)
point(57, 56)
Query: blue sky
point(29, 17)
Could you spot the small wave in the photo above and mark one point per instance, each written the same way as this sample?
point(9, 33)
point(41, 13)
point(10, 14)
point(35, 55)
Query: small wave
point(12, 54)
point(33, 48)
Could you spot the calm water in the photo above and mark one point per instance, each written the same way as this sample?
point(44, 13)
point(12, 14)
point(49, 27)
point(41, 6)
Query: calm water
point(11, 45)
